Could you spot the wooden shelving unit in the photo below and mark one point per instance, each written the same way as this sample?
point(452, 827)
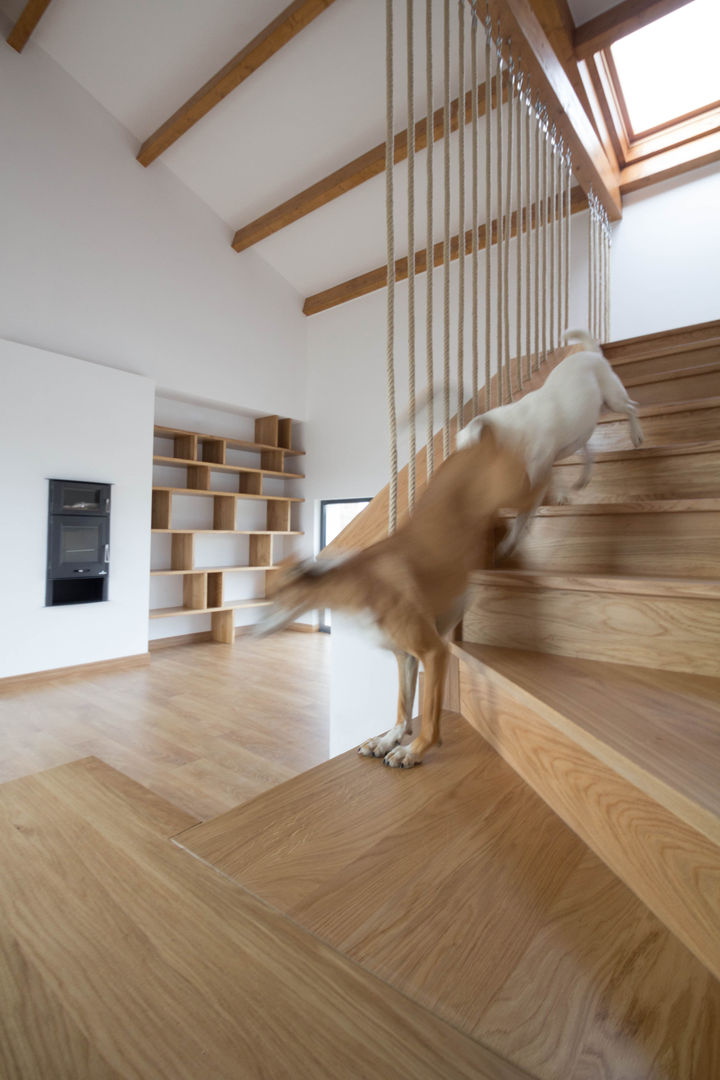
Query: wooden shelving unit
point(201, 456)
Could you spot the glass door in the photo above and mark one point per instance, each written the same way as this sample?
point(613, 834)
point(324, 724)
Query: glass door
point(335, 514)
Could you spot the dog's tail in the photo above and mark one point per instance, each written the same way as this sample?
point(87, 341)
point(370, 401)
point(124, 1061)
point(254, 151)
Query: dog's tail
point(299, 589)
point(584, 338)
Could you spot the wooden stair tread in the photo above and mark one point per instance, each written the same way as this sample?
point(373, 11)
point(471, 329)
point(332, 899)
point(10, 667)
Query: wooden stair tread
point(640, 506)
point(697, 332)
point(229, 494)
point(700, 588)
point(662, 351)
point(665, 408)
point(236, 444)
point(125, 957)
point(660, 730)
point(668, 376)
point(670, 450)
point(457, 884)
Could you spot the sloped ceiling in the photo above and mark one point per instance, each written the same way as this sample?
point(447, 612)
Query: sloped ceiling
point(316, 104)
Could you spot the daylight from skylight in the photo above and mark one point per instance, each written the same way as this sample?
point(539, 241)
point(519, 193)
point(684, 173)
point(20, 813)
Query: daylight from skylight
point(670, 68)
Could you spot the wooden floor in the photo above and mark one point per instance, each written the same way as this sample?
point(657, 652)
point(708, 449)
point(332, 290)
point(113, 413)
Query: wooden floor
point(457, 885)
point(123, 957)
point(205, 726)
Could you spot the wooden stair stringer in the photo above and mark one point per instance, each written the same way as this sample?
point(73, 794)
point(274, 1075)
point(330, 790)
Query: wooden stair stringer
point(656, 834)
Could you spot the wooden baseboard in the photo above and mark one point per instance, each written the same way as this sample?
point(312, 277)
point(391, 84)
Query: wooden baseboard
point(179, 639)
point(303, 628)
point(121, 663)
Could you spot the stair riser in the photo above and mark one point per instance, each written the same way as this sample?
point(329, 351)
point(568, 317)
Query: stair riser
point(678, 476)
point(671, 866)
point(669, 632)
point(686, 387)
point(674, 361)
point(683, 545)
point(663, 429)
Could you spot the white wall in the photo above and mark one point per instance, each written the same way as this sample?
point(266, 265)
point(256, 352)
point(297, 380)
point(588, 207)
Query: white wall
point(66, 419)
point(121, 265)
point(666, 255)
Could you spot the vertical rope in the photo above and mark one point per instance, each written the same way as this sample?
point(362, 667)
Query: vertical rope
point(518, 233)
point(475, 181)
point(499, 244)
point(536, 358)
point(590, 265)
point(507, 231)
point(411, 247)
point(461, 218)
point(568, 249)
point(528, 237)
point(608, 242)
point(488, 210)
point(390, 240)
point(562, 319)
point(544, 259)
point(551, 150)
point(429, 359)
point(446, 240)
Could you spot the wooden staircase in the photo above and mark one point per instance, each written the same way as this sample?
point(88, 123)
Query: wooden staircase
point(591, 661)
point(560, 906)
point(541, 903)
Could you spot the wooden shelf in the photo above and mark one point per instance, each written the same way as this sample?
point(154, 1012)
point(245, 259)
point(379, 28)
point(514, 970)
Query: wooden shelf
point(230, 494)
point(210, 570)
point(231, 442)
point(158, 459)
point(167, 613)
point(230, 532)
point(201, 455)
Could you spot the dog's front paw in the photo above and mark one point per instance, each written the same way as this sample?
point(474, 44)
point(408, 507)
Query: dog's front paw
point(402, 758)
point(379, 745)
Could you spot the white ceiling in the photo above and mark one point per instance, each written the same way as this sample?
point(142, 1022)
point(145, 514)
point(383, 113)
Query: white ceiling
point(314, 106)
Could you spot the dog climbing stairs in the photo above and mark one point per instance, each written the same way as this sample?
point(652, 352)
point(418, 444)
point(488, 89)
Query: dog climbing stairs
point(458, 886)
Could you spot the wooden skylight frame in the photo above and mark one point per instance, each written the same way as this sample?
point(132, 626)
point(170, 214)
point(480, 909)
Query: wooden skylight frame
point(644, 157)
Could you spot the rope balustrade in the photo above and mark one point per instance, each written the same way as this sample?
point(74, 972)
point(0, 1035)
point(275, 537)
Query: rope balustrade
point(527, 178)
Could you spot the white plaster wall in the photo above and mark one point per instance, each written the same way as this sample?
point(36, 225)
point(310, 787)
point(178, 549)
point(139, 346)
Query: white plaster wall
point(666, 255)
point(121, 265)
point(64, 418)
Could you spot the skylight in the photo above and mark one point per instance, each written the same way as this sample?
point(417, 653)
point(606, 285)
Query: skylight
point(670, 67)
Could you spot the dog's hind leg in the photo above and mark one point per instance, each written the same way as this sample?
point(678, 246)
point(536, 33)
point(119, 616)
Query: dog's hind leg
point(584, 478)
point(407, 684)
point(616, 398)
point(434, 660)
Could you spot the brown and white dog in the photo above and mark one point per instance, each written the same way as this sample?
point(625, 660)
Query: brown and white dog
point(412, 584)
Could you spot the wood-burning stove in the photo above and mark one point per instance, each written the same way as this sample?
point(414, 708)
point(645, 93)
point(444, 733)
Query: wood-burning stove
point(78, 542)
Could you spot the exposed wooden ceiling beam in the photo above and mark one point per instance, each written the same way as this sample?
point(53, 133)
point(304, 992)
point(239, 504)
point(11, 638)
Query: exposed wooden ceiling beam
point(377, 279)
point(356, 172)
point(290, 22)
point(23, 28)
point(600, 32)
point(536, 57)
